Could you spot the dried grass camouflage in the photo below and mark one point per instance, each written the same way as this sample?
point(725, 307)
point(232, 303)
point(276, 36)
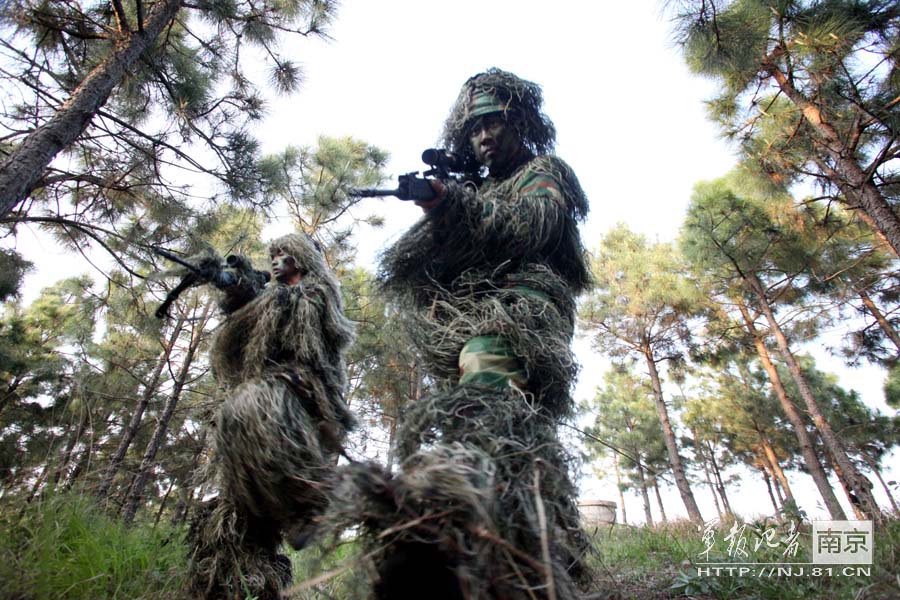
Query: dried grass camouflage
point(279, 364)
point(485, 491)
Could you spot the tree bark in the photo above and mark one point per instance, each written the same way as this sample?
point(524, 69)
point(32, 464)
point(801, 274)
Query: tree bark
point(820, 478)
point(70, 445)
point(162, 504)
point(681, 481)
point(854, 478)
point(853, 181)
point(392, 434)
point(130, 432)
point(662, 509)
point(776, 484)
point(887, 490)
point(36, 486)
point(768, 481)
point(648, 514)
point(886, 327)
point(187, 488)
point(82, 465)
point(777, 470)
point(706, 473)
point(23, 168)
point(619, 486)
point(720, 485)
point(159, 434)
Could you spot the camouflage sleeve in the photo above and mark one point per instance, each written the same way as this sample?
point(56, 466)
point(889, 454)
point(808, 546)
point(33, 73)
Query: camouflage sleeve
point(532, 216)
point(234, 297)
point(518, 218)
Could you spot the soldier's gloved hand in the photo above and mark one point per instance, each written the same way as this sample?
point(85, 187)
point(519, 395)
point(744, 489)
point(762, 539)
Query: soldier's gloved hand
point(440, 191)
point(282, 295)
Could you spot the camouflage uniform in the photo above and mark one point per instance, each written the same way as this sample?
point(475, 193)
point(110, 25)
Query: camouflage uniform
point(279, 362)
point(487, 281)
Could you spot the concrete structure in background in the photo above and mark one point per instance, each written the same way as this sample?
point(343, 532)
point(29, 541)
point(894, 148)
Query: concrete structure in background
point(597, 512)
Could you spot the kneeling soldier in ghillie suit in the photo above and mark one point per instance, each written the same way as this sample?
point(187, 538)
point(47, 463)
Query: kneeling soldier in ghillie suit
point(278, 360)
point(487, 281)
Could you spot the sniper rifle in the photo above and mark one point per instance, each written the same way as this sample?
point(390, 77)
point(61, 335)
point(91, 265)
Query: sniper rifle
point(236, 270)
point(412, 187)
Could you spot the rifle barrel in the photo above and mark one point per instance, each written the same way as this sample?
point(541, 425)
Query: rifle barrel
point(372, 192)
point(176, 259)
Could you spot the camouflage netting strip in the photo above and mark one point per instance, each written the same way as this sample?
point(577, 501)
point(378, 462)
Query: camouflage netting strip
point(520, 436)
point(471, 495)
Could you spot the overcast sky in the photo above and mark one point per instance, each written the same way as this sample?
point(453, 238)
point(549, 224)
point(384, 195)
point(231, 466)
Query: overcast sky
point(629, 116)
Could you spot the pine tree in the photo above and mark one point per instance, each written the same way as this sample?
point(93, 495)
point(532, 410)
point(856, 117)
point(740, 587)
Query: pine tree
point(626, 425)
point(763, 250)
point(811, 89)
point(110, 108)
point(640, 310)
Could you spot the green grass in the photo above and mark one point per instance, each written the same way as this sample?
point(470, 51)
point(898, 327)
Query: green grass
point(662, 562)
point(64, 547)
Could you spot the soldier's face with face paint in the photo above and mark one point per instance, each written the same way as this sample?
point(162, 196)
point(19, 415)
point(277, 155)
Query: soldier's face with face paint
point(496, 145)
point(284, 269)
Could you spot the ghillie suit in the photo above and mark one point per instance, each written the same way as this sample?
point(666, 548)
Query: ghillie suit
point(487, 282)
point(278, 360)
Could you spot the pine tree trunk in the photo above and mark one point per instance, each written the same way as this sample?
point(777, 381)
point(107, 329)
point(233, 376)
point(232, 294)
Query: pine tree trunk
point(845, 485)
point(706, 473)
point(768, 481)
point(179, 515)
point(887, 490)
point(187, 488)
point(159, 434)
point(23, 168)
point(134, 424)
point(886, 327)
point(82, 465)
point(854, 182)
point(830, 439)
point(777, 470)
point(776, 484)
point(162, 504)
point(646, 497)
point(662, 509)
point(392, 434)
point(720, 485)
point(619, 487)
point(681, 481)
point(712, 489)
point(820, 478)
point(70, 445)
point(37, 485)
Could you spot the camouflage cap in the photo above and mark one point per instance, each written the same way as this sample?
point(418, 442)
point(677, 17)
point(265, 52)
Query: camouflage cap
point(484, 102)
point(499, 91)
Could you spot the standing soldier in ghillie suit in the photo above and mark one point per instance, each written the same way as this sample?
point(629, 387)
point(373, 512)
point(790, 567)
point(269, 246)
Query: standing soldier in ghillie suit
point(278, 360)
point(483, 506)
